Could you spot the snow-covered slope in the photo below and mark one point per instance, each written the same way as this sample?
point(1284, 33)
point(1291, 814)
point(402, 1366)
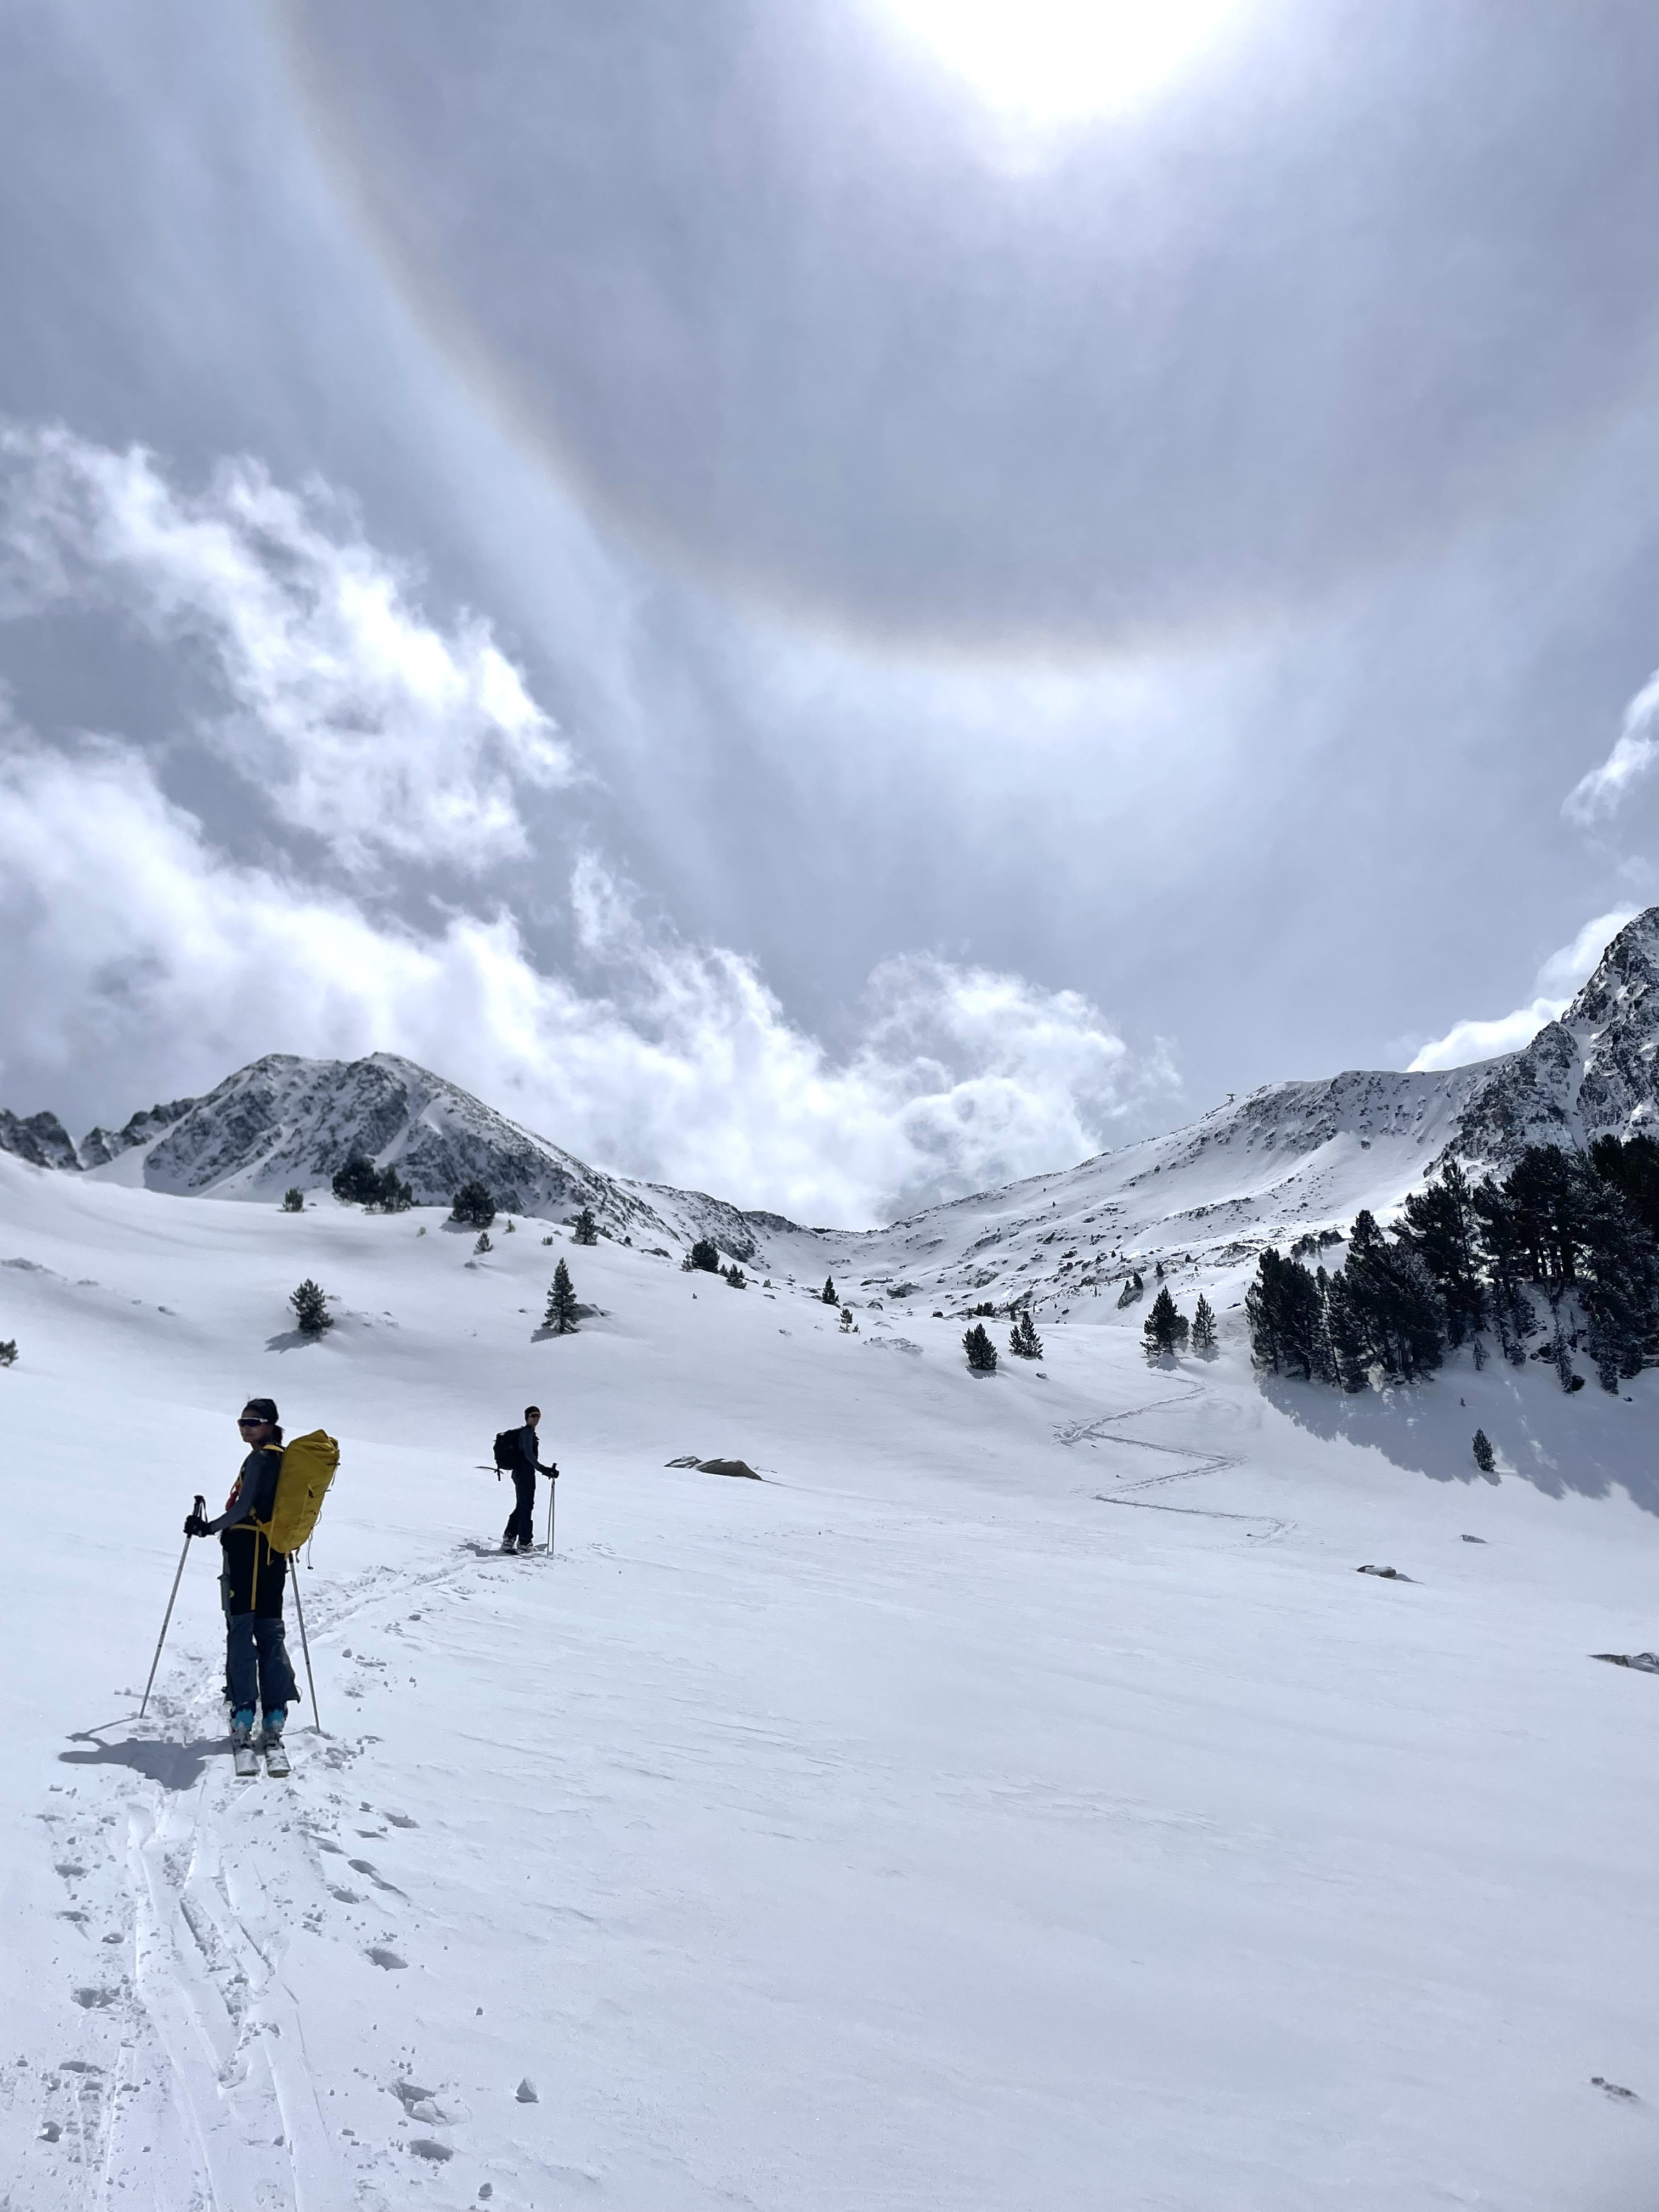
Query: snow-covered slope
point(284, 1122)
point(1016, 1798)
point(1288, 1160)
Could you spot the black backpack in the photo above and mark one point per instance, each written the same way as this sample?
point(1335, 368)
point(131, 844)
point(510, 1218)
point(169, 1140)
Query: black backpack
point(506, 1447)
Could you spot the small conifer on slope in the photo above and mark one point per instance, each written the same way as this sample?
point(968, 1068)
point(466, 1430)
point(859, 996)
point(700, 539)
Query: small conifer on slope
point(1483, 1451)
point(310, 1313)
point(981, 1352)
point(585, 1232)
point(561, 1315)
point(1204, 1327)
point(1023, 1339)
point(828, 1293)
point(1164, 1329)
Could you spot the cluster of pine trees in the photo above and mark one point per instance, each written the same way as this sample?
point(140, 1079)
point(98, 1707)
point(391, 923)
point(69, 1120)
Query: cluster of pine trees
point(1580, 1230)
point(473, 1206)
point(360, 1182)
point(1166, 1328)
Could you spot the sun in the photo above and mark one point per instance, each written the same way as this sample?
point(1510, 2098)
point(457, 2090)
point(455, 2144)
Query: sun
point(1051, 62)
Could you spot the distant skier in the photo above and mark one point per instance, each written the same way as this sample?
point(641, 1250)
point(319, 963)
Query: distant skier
point(517, 1451)
point(252, 1581)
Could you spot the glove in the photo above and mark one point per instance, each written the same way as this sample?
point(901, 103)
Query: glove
point(196, 1525)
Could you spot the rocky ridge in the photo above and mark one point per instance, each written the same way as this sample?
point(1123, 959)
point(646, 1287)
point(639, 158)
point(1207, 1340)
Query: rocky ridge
point(1289, 1158)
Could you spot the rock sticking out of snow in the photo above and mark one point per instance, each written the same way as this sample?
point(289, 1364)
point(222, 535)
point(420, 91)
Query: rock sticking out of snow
point(1645, 1662)
point(727, 1467)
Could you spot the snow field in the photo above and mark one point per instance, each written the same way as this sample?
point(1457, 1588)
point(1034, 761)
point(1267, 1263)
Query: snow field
point(1017, 1798)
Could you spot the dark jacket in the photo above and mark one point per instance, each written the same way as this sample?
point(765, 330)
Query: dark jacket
point(255, 1490)
point(252, 1576)
point(524, 1460)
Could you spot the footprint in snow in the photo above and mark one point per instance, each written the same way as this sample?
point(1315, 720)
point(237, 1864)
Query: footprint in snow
point(363, 1866)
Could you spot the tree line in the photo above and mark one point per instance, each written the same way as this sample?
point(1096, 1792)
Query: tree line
point(1577, 1231)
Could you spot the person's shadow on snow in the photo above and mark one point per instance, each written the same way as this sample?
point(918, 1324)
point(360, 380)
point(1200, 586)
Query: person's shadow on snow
point(174, 1765)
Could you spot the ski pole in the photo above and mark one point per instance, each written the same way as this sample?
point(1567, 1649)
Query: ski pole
point(305, 1646)
point(552, 1493)
point(196, 1508)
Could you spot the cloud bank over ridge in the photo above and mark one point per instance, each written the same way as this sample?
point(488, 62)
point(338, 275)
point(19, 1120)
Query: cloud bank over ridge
point(150, 952)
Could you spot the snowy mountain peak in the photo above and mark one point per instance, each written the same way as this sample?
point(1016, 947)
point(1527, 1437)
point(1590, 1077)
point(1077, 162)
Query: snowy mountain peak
point(1593, 1072)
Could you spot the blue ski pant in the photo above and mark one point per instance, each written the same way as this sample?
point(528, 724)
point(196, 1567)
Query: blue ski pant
point(257, 1669)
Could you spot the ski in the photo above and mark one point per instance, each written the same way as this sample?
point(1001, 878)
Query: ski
point(247, 1761)
point(277, 1757)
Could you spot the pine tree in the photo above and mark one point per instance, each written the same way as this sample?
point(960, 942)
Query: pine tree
point(1345, 1350)
point(561, 1315)
point(1164, 1328)
point(293, 1202)
point(1395, 1301)
point(735, 1276)
point(981, 1352)
point(1631, 1166)
point(1204, 1328)
point(705, 1257)
point(1441, 1226)
point(585, 1232)
point(473, 1207)
point(358, 1182)
point(395, 1197)
point(1286, 1316)
point(7, 1352)
point(1023, 1339)
point(1483, 1451)
point(828, 1293)
point(310, 1313)
point(1561, 1357)
point(484, 1244)
point(849, 1325)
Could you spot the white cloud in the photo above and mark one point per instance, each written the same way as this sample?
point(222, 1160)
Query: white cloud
point(1553, 986)
point(137, 947)
point(357, 719)
point(1635, 751)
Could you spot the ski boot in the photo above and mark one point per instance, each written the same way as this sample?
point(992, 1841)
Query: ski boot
point(270, 1742)
point(242, 1750)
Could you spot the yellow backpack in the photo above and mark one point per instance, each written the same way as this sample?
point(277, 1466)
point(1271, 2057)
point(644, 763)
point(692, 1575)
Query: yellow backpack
point(308, 1469)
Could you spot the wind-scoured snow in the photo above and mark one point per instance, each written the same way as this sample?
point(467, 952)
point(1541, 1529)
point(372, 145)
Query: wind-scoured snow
point(1017, 1796)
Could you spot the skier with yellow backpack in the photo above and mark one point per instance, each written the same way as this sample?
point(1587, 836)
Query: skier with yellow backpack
point(270, 1511)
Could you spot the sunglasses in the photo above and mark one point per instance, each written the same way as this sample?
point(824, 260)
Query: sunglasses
point(253, 1421)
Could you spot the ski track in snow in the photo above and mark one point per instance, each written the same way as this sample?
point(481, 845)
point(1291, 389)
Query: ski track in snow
point(206, 2077)
point(1105, 1429)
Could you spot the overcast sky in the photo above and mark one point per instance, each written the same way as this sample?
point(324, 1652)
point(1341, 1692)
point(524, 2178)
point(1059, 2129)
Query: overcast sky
point(838, 601)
